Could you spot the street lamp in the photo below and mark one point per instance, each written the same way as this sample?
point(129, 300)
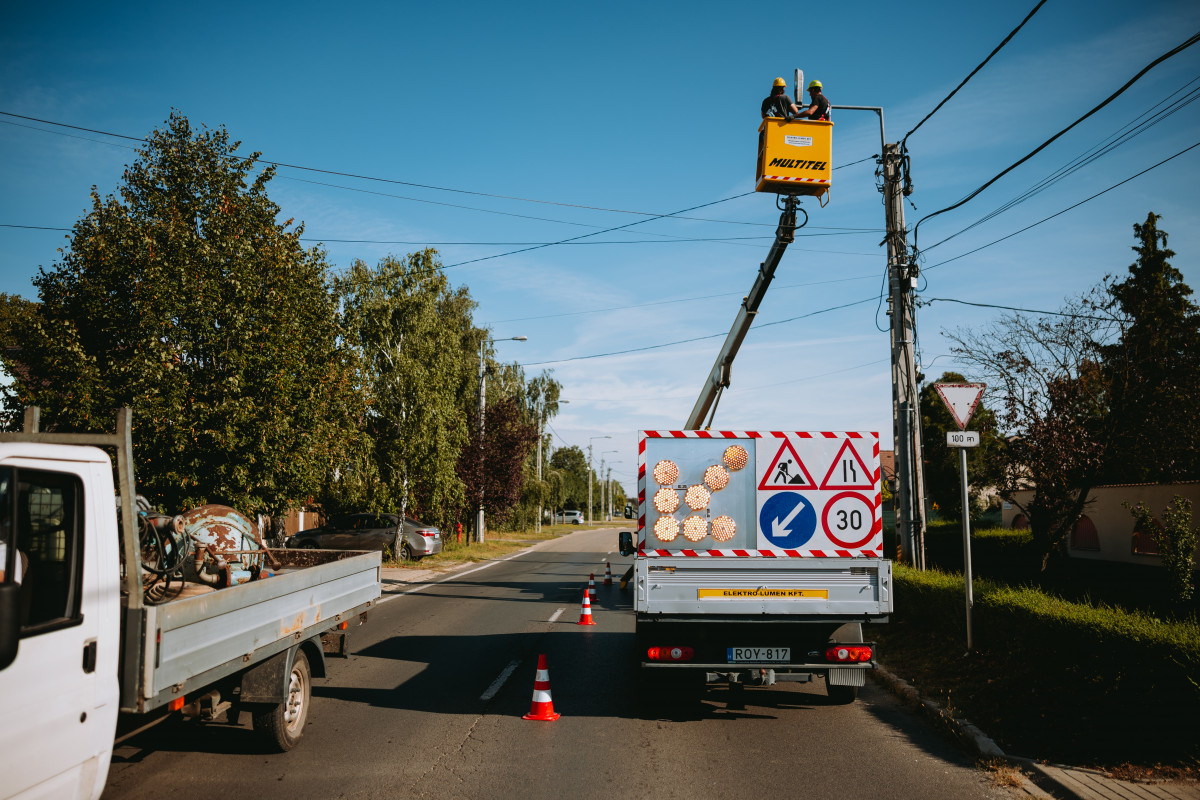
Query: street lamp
point(541, 423)
point(590, 440)
point(603, 504)
point(482, 395)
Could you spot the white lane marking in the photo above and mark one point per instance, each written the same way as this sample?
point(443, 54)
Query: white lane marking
point(496, 684)
point(423, 586)
point(554, 617)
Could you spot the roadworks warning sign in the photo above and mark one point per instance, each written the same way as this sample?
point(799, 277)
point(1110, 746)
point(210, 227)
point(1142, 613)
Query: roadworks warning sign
point(762, 594)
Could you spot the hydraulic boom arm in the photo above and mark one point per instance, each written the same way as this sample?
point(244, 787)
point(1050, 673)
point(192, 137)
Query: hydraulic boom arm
point(718, 379)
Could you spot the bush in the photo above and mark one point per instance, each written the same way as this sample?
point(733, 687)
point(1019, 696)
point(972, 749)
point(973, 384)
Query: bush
point(1050, 678)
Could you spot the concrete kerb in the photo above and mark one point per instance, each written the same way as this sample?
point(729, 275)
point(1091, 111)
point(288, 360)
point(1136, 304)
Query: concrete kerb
point(1074, 783)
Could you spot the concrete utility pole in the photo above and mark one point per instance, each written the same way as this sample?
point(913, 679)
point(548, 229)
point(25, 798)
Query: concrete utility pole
point(590, 440)
point(902, 280)
point(479, 520)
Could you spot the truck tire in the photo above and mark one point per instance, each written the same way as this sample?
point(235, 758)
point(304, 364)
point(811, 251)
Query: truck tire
point(282, 725)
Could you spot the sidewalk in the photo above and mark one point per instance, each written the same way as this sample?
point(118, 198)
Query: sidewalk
point(1041, 780)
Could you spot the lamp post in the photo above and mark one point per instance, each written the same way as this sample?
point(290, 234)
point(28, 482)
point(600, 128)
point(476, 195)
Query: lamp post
point(603, 502)
point(590, 440)
point(541, 423)
point(610, 488)
point(482, 407)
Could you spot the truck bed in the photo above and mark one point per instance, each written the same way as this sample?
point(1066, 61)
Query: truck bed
point(815, 588)
point(193, 641)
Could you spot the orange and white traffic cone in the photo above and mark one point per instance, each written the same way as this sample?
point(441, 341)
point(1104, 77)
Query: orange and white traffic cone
point(542, 707)
point(592, 586)
point(607, 574)
point(585, 614)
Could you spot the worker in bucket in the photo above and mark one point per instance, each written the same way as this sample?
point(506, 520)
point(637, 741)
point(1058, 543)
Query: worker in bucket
point(819, 104)
point(778, 104)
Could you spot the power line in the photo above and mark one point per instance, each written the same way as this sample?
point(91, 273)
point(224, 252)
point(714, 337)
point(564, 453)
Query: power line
point(694, 339)
point(972, 75)
point(1173, 52)
point(1123, 135)
point(1065, 210)
point(1015, 308)
point(397, 182)
point(667, 302)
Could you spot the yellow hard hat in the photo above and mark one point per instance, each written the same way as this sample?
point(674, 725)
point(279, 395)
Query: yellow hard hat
point(817, 84)
point(779, 82)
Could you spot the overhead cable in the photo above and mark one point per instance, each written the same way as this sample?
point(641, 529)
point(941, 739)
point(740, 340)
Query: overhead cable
point(981, 65)
point(1173, 52)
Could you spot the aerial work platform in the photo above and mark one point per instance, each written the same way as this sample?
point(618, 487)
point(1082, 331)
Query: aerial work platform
point(795, 157)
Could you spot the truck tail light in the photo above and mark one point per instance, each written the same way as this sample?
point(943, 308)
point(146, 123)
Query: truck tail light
point(176, 704)
point(848, 652)
point(669, 654)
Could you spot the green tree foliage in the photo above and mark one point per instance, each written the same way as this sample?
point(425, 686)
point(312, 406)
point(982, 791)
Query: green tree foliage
point(15, 311)
point(493, 468)
point(942, 480)
point(571, 463)
point(1053, 408)
point(1176, 540)
point(1154, 369)
point(413, 338)
point(186, 299)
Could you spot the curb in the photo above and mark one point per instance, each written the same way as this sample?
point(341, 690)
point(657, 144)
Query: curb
point(975, 740)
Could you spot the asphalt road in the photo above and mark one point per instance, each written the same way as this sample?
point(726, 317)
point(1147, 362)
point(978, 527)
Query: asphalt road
point(430, 706)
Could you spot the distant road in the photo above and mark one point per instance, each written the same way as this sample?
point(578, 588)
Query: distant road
point(430, 706)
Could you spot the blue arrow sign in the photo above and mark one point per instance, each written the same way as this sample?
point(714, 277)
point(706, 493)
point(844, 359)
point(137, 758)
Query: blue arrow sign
point(787, 520)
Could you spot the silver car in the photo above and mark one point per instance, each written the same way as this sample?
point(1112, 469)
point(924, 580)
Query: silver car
point(371, 531)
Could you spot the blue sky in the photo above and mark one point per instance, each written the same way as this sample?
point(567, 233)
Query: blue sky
point(635, 107)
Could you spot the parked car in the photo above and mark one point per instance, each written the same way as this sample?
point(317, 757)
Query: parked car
point(369, 531)
point(572, 517)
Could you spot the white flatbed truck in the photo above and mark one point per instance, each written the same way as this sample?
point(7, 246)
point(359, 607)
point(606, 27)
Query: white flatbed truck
point(84, 659)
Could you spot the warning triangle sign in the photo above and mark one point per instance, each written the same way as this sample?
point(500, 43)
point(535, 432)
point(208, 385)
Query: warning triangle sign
point(848, 470)
point(961, 399)
point(787, 471)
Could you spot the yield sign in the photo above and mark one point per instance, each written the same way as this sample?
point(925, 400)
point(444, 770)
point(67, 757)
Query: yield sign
point(961, 399)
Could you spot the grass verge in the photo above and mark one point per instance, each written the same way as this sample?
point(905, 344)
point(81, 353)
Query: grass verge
point(1049, 678)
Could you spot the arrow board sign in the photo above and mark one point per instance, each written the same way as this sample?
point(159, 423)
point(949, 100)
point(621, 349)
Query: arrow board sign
point(961, 399)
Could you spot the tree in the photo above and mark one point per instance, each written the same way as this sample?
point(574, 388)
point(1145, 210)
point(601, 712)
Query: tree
point(493, 468)
point(1053, 397)
point(942, 480)
point(185, 299)
point(1154, 369)
point(408, 329)
point(1176, 540)
point(573, 466)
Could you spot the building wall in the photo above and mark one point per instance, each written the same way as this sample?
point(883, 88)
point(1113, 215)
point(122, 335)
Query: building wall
point(1106, 531)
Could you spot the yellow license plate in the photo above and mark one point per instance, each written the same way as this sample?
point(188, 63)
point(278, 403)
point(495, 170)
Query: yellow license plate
point(762, 594)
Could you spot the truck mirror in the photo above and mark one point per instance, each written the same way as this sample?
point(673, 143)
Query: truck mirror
point(10, 622)
point(625, 543)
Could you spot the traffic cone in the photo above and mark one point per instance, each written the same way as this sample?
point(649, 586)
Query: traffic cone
point(592, 586)
point(585, 615)
point(542, 707)
point(607, 574)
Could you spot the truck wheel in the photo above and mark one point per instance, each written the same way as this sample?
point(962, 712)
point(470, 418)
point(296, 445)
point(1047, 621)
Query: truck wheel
point(841, 695)
point(282, 725)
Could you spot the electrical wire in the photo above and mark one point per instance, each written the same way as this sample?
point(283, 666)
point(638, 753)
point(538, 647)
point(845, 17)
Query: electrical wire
point(1065, 210)
point(1170, 53)
point(696, 338)
point(1015, 308)
point(1000, 46)
point(1123, 135)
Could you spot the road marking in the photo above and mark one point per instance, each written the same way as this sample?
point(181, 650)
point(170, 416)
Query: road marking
point(496, 684)
point(554, 617)
point(423, 586)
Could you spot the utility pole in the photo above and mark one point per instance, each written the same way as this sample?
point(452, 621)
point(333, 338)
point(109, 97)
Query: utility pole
point(590, 440)
point(902, 280)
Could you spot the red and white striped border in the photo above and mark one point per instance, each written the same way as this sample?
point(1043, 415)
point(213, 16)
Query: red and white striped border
point(760, 553)
point(794, 180)
point(642, 551)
